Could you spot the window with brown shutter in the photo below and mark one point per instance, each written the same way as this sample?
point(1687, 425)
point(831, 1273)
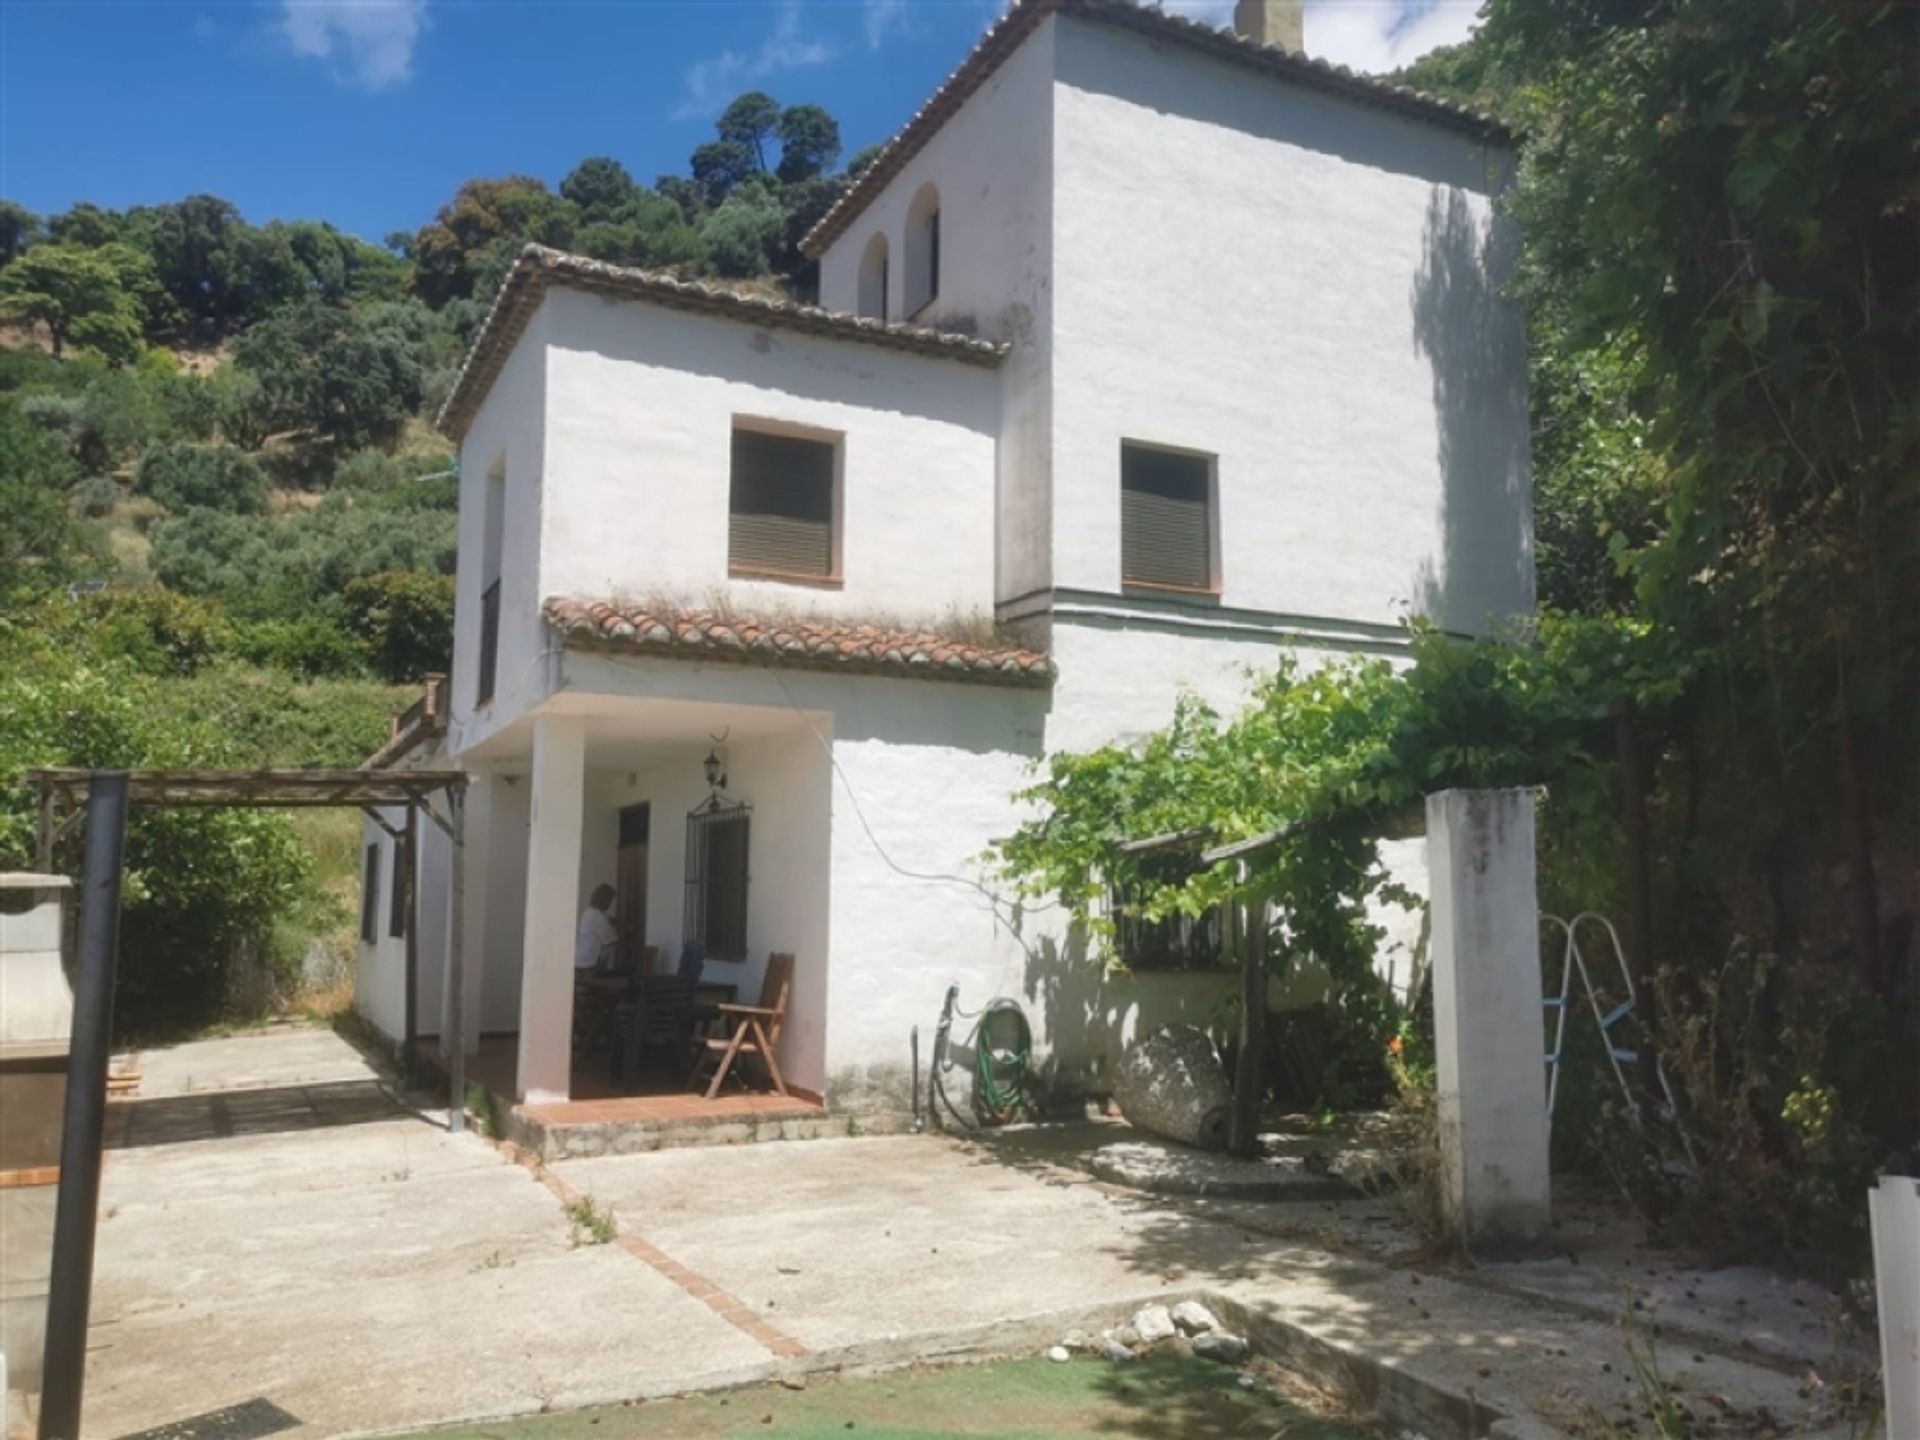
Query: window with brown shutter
point(1166, 524)
point(781, 520)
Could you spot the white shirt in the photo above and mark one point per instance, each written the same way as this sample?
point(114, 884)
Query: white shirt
point(595, 934)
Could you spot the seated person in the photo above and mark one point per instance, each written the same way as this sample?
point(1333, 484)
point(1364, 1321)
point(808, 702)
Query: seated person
point(595, 937)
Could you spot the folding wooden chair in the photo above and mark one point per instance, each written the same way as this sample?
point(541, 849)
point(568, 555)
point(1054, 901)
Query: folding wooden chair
point(756, 1029)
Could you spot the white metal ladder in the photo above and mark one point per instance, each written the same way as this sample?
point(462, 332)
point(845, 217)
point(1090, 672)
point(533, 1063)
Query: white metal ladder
point(1573, 960)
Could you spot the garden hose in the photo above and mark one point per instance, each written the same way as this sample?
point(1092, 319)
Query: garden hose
point(1000, 1076)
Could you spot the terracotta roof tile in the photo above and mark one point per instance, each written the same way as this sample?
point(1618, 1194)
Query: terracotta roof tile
point(1004, 37)
point(539, 267)
point(808, 644)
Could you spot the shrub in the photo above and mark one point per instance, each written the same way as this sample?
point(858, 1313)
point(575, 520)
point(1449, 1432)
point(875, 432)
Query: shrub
point(95, 496)
point(311, 648)
point(206, 477)
point(404, 619)
point(369, 470)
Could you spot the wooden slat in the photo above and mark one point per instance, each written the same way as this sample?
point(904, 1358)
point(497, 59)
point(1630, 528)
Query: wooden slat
point(1165, 531)
point(781, 512)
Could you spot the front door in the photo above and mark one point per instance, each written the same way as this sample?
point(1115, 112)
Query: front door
point(630, 884)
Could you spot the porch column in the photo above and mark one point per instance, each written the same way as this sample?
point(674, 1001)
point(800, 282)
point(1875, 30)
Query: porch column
point(1488, 1017)
point(553, 898)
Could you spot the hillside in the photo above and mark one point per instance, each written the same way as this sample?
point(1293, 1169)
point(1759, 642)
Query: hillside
point(227, 524)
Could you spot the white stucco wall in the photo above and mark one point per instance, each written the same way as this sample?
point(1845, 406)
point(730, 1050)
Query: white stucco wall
point(992, 163)
point(508, 434)
point(642, 402)
point(379, 982)
point(1304, 287)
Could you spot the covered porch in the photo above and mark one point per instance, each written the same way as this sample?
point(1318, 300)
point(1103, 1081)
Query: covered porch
point(709, 822)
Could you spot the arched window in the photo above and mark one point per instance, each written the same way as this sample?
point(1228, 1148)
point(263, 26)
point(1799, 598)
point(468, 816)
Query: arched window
point(922, 250)
point(872, 300)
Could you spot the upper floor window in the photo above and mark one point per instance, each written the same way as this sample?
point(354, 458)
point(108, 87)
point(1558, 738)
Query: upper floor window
point(493, 525)
point(872, 301)
point(922, 251)
point(1166, 518)
point(781, 517)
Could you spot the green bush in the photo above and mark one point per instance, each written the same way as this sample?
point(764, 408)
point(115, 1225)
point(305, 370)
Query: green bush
point(202, 477)
point(197, 880)
point(404, 619)
point(311, 648)
point(95, 496)
point(369, 470)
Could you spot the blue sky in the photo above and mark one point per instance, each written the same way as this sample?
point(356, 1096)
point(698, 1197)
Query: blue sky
point(369, 113)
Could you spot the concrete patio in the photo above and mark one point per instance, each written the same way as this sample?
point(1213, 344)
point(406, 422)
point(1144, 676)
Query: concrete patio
point(343, 1258)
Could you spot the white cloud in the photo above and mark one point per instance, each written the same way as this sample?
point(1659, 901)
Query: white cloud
point(370, 41)
point(713, 82)
point(882, 18)
point(1367, 35)
point(1373, 36)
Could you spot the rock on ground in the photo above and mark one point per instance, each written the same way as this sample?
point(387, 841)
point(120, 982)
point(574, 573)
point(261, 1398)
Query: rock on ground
point(1113, 1350)
point(1194, 1318)
point(1229, 1349)
point(1153, 1323)
point(1059, 1353)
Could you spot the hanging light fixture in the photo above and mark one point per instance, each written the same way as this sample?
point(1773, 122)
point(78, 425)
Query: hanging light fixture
point(716, 772)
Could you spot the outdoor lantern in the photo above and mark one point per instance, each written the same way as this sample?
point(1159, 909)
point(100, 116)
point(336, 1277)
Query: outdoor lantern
point(716, 773)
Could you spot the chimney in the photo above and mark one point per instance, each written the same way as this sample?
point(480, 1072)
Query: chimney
point(1271, 22)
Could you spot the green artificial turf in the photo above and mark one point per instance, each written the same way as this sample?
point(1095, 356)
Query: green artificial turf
point(1167, 1395)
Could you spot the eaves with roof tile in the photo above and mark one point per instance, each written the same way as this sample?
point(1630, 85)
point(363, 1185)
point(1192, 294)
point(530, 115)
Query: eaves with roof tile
point(805, 644)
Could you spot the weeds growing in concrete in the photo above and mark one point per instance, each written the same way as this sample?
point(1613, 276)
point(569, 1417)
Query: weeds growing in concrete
point(589, 1222)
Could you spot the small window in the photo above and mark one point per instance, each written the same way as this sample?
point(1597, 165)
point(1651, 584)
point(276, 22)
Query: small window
point(874, 276)
point(781, 520)
point(1166, 520)
point(1175, 942)
point(402, 891)
point(922, 251)
point(717, 881)
point(370, 896)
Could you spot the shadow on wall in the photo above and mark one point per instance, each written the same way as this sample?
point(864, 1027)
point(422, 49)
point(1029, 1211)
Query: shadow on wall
point(1090, 1013)
point(1474, 341)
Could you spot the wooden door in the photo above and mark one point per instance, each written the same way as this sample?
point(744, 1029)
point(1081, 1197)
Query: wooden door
point(630, 884)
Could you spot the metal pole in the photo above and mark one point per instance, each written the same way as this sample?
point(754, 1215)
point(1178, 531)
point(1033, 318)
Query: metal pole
point(455, 1046)
point(76, 1209)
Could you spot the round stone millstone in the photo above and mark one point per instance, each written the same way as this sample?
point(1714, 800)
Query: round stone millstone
point(1173, 1084)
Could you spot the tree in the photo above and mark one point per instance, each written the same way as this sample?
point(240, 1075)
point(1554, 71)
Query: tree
point(483, 213)
point(213, 477)
point(599, 186)
point(40, 546)
point(220, 270)
point(718, 167)
point(750, 122)
point(350, 376)
point(742, 234)
point(809, 142)
point(79, 295)
point(19, 228)
point(404, 618)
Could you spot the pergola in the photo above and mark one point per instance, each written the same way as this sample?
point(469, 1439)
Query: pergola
point(63, 795)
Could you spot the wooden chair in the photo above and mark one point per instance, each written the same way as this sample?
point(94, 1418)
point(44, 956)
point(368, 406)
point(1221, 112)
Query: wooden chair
point(756, 1028)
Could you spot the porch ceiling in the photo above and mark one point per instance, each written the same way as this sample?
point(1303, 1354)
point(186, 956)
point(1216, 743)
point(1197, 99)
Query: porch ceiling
point(630, 732)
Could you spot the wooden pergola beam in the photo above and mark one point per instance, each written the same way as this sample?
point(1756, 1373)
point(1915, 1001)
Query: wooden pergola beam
point(275, 789)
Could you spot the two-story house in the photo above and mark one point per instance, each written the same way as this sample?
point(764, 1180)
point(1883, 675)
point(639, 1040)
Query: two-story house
point(1143, 350)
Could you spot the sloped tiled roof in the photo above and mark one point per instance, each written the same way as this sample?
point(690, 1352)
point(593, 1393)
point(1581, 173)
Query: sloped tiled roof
point(1025, 16)
point(807, 644)
point(539, 267)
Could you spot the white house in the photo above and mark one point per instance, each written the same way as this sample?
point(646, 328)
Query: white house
point(1144, 350)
